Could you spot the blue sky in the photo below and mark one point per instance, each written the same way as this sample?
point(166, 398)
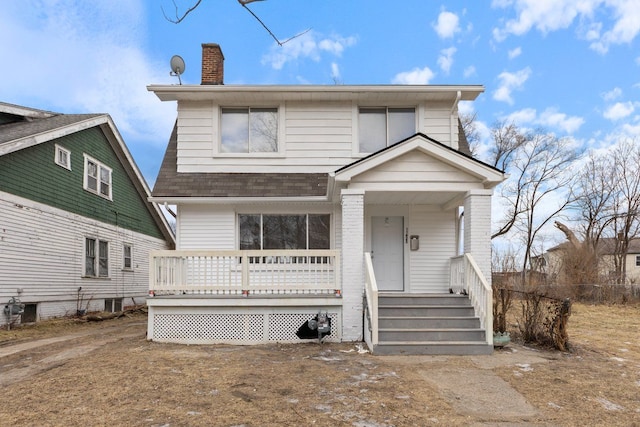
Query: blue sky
point(570, 66)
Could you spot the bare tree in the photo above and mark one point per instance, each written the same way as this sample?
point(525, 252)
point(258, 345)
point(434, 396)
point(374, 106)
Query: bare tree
point(625, 221)
point(468, 122)
point(540, 186)
point(507, 142)
point(179, 17)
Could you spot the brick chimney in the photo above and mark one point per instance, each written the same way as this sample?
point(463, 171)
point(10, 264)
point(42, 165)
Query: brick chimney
point(212, 64)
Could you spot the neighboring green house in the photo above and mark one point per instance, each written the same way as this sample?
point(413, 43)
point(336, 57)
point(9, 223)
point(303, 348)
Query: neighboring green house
point(76, 226)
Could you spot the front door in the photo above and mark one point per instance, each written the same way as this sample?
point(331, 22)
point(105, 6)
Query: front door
point(387, 252)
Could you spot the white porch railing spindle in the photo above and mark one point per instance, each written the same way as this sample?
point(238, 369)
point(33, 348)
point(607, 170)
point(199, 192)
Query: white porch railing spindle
point(231, 272)
point(465, 274)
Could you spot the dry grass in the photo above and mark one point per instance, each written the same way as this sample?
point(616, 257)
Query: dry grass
point(131, 381)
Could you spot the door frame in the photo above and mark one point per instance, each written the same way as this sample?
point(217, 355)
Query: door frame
point(381, 210)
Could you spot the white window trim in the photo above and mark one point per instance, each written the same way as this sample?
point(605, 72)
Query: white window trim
point(85, 181)
point(217, 123)
point(292, 212)
point(124, 267)
point(96, 261)
point(58, 149)
point(356, 123)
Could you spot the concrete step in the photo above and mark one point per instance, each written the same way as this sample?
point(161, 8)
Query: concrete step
point(435, 335)
point(432, 348)
point(415, 310)
point(428, 322)
point(422, 299)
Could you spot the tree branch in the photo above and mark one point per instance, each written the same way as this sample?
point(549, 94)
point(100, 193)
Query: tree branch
point(180, 18)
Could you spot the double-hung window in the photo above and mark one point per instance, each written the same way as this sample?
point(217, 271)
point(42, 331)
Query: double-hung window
point(127, 256)
point(283, 231)
point(96, 259)
point(381, 127)
point(249, 130)
point(97, 177)
point(63, 157)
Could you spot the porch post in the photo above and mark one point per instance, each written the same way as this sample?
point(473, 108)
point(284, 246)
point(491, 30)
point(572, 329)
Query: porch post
point(352, 264)
point(477, 229)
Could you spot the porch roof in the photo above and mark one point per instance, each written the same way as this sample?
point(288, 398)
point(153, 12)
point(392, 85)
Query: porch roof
point(171, 184)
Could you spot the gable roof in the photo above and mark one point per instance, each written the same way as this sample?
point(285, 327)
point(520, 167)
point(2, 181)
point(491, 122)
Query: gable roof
point(490, 175)
point(171, 184)
point(33, 127)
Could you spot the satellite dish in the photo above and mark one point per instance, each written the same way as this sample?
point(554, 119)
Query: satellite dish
point(177, 66)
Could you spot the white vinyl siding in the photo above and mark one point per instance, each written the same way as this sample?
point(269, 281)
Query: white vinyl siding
point(206, 227)
point(417, 168)
point(49, 267)
point(319, 137)
point(429, 266)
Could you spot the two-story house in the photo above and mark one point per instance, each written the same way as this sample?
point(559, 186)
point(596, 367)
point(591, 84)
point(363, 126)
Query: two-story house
point(76, 225)
point(345, 200)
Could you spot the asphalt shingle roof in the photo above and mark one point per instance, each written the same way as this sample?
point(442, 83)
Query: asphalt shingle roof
point(170, 183)
point(12, 131)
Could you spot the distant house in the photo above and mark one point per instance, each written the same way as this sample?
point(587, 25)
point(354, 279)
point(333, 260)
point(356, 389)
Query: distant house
point(76, 227)
point(294, 201)
point(553, 263)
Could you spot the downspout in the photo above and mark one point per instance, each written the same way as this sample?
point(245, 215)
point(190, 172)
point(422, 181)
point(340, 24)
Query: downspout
point(171, 212)
point(451, 123)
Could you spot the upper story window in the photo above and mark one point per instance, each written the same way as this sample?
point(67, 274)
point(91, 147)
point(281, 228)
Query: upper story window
point(381, 127)
point(97, 177)
point(249, 130)
point(63, 157)
point(637, 260)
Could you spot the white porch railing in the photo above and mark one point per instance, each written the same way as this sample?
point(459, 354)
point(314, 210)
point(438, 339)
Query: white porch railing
point(371, 296)
point(244, 272)
point(466, 275)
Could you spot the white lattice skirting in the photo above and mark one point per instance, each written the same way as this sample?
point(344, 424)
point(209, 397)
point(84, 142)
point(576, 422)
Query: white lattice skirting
point(259, 325)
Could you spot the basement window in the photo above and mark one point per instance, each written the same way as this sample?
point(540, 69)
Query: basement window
point(113, 305)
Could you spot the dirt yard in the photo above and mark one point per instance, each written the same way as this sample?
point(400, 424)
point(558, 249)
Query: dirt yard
point(67, 373)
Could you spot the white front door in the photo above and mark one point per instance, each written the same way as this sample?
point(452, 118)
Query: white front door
point(387, 252)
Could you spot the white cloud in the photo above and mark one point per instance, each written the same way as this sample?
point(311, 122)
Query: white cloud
point(614, 93)
point(310, 45)
point(553, 119)
point(514, 53)
point(552, 15)
point(510, 82)
point(550, 119)
point(85, 58)
point(625, 28)
point(335, 72)
point(445, 60)
point(469, 71)
point(633, 130)
point(619, 110)
point(522, 117)
point(417, 76)
point(448, 24)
